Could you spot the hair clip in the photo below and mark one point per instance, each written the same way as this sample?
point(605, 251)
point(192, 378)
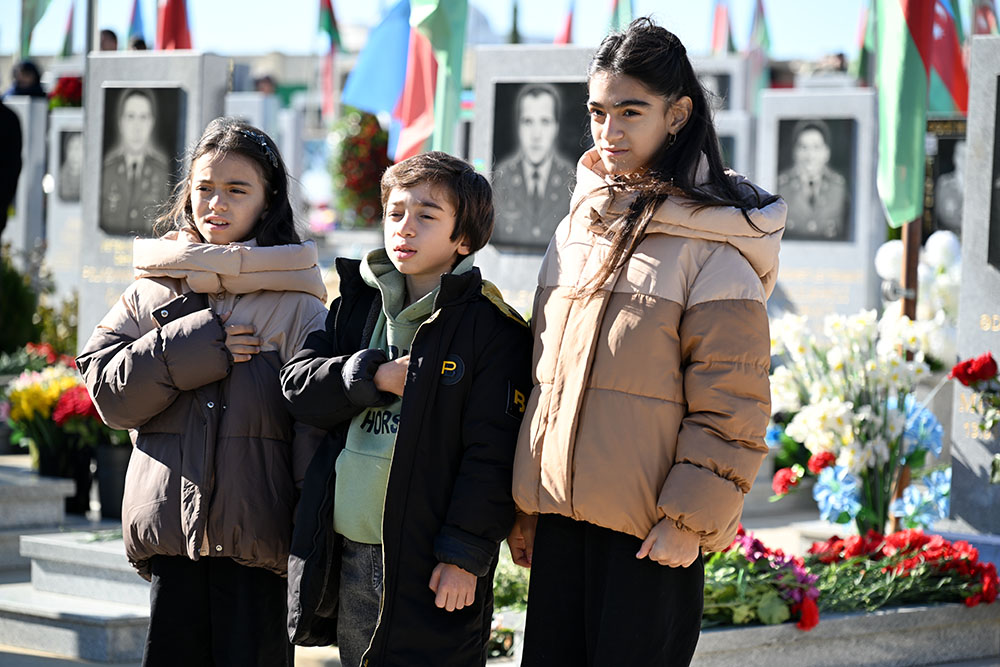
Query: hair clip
point(262, 142)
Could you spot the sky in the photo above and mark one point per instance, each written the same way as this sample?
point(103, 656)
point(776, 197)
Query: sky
point(799, 29)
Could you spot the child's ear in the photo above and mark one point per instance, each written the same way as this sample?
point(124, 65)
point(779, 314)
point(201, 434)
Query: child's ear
point(464, 248)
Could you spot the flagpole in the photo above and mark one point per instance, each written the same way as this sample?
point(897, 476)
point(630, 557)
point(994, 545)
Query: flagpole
point(91, 13)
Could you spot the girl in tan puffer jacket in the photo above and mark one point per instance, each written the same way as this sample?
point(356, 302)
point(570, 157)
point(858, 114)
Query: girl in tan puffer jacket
point(188, 360)
point(645, 426)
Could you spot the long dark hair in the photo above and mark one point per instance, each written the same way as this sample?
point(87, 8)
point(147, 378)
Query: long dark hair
point(654, 56)
point(231, 135)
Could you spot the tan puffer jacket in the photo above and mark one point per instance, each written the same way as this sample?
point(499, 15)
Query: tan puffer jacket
point(216, 456)
point(651, 398)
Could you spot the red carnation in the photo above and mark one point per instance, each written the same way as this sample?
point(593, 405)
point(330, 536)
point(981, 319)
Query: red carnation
point(784, 480)
point(819, 461)
point(809, 617)
point(74, 402)
point(977, 369)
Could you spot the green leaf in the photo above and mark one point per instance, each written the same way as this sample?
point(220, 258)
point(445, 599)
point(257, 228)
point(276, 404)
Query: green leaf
point(772, 609)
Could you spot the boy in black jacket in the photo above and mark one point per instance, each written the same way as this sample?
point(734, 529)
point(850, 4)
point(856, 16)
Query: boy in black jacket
point(421, 374)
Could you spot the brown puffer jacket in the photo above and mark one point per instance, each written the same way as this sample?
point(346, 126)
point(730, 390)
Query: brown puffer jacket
point(216, 456)
point(651, 398)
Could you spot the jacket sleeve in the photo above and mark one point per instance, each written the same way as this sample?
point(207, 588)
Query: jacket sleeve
point(725, 353)
point(134, 376)
point(313, 381)
point(481, 510)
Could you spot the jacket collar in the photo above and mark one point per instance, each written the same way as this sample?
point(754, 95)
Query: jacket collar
point(237, 268)
point(595, 206)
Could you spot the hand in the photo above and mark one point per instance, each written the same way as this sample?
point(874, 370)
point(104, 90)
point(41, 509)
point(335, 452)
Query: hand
point(669, 545)
point(240, 340)
point(391, 376)
point(522, 539)
point(455, 587)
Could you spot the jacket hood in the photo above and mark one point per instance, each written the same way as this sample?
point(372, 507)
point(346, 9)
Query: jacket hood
point(237, 268)
point(677, 217)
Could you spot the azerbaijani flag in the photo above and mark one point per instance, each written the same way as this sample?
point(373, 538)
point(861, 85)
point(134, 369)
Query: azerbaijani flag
point(442, 22)
point(861, 65)
point(722, 33)
point(67, 47)
point(902, 67)
point(328, 25)
point(758, 72)
point(621, 15)
point(565, 35)
point(984, 18)
point(135, 28)
point(949, 83)
point(31, 13)
point(172, 30)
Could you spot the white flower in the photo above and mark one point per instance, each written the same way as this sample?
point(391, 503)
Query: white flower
point(889, 260)
point(784, 391)
point(942, 249)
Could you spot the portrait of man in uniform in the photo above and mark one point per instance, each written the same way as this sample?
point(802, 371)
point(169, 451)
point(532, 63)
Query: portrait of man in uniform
point(136, 170)
point(811, 179)
point(532, 185)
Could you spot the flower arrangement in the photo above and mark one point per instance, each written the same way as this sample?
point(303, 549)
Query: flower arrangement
point(939, 273)
point(68, 92)
point(872, 571)
point(358, 158)
point(844, 403)
point(32, 396)
point(749, 583)
point(980, 375)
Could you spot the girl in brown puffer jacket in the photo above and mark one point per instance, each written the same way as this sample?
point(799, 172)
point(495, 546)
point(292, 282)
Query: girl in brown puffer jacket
point(188, 360)
point(645, 425)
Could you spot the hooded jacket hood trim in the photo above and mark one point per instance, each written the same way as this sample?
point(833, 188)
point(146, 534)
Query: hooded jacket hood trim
point(237, 268)
point(677, 217)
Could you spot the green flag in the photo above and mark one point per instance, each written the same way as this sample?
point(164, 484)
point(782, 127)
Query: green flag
point(904, 41)
point(443, 23)
point(621, 15)
point(31, 13)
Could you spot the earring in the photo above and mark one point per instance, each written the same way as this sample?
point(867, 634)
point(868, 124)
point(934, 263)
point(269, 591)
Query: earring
point(671, 138)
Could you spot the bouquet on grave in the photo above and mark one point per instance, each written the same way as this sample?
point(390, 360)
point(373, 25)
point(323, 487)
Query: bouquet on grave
point(907, 567)
point(750, 583)
point(843, 403)
point(980, 375)
point(68, 92)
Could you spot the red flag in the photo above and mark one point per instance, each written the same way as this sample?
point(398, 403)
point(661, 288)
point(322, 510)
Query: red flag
point(722, 34)
point(565, 35)
point(415, 109)
point(172, 27)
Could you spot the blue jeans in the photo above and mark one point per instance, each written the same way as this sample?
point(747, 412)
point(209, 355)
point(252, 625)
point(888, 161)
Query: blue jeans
point(360, 599)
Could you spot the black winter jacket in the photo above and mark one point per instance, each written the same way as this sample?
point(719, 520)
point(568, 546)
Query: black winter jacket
point(449, 491)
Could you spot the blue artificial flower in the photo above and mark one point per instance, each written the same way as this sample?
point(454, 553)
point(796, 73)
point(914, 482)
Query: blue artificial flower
point(836, 492)
point(923, 430)
point(773, 435)
point(916, 507)
point(939, 486)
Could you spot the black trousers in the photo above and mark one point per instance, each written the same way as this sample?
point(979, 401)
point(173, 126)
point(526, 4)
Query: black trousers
point(214, 612)
point(592, 603)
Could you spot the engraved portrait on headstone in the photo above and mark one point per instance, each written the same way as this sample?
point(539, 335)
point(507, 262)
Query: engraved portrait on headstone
point(814, 177)
point(71, 166)
point(539, 132)
point(140, 140)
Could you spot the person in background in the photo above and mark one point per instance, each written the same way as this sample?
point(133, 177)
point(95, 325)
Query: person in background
point(136, 43)
point(109, 40)
point(188, 360)
point(645, 426)
point(10, 161)
point(27, 80)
